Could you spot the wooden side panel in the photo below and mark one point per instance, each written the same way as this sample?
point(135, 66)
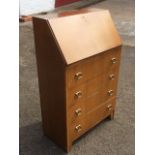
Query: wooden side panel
point(51, 72)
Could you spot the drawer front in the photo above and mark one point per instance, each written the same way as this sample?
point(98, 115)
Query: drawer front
point(88, 104)
point(94, 91)
point(77, 129)
point(88, 69)
point(80, 93)
point(95, 116)
point(76, 113)
point(90, 119)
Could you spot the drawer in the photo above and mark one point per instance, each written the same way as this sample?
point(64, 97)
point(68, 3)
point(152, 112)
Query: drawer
point(77, 129)
point(87, 90)
point(88, 104)
point(87, 69)
point(76, 113)
point(99, 113)
point(94, 91)
point(95, 101)
point(91, 118)
point(112, 60)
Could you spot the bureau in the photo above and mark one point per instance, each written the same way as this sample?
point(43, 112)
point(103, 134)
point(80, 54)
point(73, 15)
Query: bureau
point(78, 59)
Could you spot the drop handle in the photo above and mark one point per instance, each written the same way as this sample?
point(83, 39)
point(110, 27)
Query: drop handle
point(78, 94)
point(78, 112)
point(78, 76)
point(111, 77)
point(113, 60)
point(78, 128)
point(109, 107)
point(110, 92)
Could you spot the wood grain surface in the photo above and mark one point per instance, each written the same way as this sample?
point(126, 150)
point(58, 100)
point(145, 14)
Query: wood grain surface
point(84, 35)
point(78, 59)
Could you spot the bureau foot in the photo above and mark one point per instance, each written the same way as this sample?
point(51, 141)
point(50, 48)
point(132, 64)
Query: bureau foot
point(112, 115)
point(69, 147)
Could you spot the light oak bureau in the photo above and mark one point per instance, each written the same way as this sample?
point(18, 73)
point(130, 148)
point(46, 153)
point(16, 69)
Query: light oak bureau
point(78, 59)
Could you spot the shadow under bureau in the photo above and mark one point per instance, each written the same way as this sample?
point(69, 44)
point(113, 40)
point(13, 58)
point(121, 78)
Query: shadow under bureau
point(78, 59)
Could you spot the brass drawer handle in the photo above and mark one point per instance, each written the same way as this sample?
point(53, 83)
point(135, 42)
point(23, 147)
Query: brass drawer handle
point(78, 112)
point(109, 107)
point(113, 60)
point(78, 76)
point(111, 76)
point(78, 128)
point(110, 92)
point(78, 94)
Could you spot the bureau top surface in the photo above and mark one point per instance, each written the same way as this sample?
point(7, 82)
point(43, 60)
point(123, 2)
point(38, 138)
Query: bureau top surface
point(83, 35)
